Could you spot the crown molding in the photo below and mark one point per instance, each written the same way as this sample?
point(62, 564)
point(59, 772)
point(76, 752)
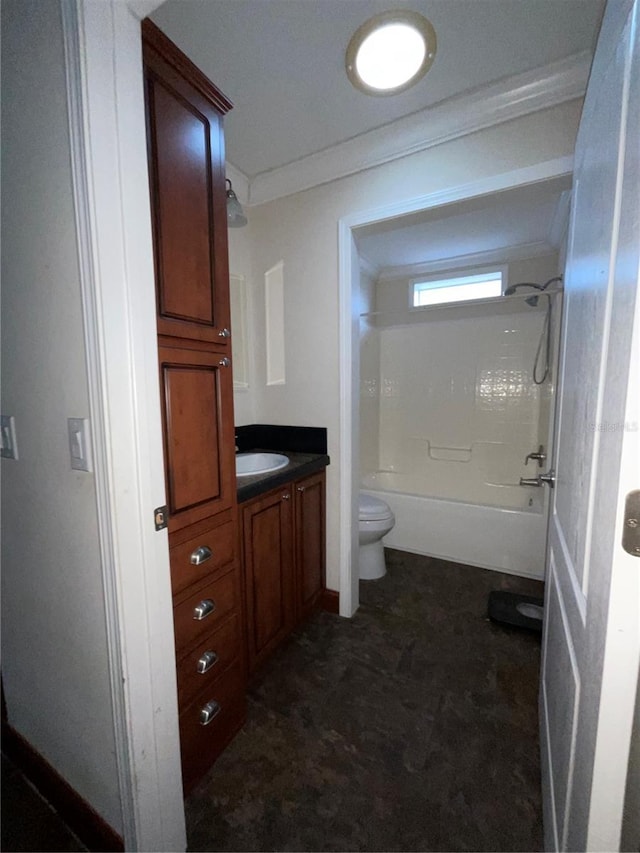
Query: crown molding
point(507, 99)
point(474, 259)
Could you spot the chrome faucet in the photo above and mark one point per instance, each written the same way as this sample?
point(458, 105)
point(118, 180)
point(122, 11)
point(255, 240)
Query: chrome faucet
point(540, 456)
point(548, 479)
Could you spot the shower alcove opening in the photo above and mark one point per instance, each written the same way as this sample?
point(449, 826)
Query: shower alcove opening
point(448, 406)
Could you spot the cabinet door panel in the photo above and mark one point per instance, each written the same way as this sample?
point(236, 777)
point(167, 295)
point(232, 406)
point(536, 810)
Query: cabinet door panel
point(268, 562)
point(199, 447)
point(183, 216)
point(186, 174)
point(310, 542)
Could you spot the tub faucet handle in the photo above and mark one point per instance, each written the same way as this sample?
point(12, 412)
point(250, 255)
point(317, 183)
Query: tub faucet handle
point(540, 456)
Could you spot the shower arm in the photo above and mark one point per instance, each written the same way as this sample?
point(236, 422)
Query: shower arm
point(541, 287)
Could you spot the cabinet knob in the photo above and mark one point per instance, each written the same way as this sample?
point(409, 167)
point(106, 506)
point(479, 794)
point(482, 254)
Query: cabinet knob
point(301, 488)
point(224, 333)
point(204, 609)
point(201, 555)
point(208, 712)
point(224, 362)
point(286, 496)
point(206, 661)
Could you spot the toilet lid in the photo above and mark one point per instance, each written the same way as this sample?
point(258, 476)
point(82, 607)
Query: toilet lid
point(373, 509)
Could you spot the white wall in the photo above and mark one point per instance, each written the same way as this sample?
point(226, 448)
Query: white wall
point(458, 407)
point(302, 231)
point(369, 384)
point(240, 265)
point(54, 647)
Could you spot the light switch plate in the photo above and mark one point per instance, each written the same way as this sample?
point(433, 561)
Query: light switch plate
point(79, 444)
point(9, 449)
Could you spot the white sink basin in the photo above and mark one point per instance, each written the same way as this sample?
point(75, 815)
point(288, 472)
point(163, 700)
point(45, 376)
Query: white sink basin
point(249, 464)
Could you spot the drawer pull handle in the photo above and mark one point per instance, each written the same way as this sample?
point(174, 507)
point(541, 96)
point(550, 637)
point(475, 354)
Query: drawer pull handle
point(301, 488)
point(206, 661)
point(204, 609)
point(201, 555)
point(208, 712)
point(224, 333)
point(224, 362)
point(286, 497)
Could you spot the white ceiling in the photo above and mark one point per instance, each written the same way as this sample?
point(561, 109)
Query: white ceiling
point(282, 62)
point(522, 218)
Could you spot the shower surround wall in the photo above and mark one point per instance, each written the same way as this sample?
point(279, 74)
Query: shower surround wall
point(455, 411)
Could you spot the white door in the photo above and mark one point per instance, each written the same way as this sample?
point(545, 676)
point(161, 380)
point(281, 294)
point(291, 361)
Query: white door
point(592, 638)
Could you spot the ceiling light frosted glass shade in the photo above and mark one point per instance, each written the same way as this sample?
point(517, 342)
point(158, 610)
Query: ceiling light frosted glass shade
point(235, 214)
point(390, 52)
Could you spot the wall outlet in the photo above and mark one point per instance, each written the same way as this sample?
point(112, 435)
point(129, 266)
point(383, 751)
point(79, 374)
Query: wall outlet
point(79, 444)
point(9, 444)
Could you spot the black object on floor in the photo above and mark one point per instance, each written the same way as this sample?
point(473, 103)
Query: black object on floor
point(520, 611)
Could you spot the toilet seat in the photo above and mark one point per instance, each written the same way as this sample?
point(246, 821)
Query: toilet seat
point(373, 509)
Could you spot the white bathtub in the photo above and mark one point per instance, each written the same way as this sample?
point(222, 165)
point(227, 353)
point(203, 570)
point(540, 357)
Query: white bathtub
point(508, 538)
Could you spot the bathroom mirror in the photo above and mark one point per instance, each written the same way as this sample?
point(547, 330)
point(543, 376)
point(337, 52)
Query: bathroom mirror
point(239, 342)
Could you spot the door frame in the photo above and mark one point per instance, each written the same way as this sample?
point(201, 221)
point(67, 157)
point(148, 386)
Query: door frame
point(103, 63)
point(348, 262)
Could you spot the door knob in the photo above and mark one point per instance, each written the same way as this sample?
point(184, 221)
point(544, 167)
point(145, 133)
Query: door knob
point(224, 362)
point(224, 333)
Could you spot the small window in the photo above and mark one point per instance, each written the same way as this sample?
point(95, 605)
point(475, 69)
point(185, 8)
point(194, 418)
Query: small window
point(458, 289)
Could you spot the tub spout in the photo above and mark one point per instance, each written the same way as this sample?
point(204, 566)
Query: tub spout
point(548, 479)
point(530, 481)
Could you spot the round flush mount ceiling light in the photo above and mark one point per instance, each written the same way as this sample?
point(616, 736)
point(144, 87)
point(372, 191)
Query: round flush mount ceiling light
point(390, 52)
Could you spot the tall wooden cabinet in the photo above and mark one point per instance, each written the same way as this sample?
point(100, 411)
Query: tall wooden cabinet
point(188, 201)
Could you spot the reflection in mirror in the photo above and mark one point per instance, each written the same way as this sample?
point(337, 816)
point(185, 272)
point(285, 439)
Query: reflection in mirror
point(238, 296)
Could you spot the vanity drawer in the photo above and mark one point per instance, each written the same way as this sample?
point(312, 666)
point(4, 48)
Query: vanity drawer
point(201, 744)
point(204, 609)
point(201, 556)
point(213, 655)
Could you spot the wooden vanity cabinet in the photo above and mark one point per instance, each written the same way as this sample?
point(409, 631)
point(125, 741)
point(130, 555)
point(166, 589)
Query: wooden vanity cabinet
point(283, 538)
point(184, 114)
point(309, 537)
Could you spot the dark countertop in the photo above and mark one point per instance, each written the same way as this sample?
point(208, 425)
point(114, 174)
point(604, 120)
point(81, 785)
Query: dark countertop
point(300, 465)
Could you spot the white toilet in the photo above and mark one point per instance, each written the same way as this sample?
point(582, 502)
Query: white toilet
point(375, 521)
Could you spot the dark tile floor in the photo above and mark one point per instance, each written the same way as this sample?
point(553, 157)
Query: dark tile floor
point(412, 726)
